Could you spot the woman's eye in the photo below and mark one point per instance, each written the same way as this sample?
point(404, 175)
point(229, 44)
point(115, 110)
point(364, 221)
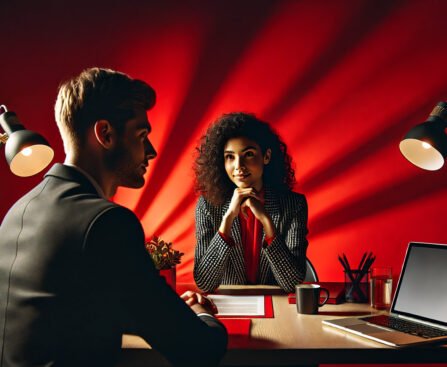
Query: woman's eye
point(228, 157)
point(249, 154)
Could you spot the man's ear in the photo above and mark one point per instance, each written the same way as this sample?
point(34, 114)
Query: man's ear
point(267, 156)
point(104, 133)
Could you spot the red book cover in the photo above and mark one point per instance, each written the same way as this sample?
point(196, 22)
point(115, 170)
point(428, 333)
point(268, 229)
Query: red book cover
point(336, 293)
point(237, 326)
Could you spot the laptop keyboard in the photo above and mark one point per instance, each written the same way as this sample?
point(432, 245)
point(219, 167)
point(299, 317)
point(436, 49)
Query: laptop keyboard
point(405, 326)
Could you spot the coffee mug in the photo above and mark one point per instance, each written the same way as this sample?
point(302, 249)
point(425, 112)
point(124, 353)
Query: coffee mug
point(308, 298)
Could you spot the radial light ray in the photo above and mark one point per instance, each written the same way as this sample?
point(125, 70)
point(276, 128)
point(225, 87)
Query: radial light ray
point(341, 81)
point(171, 88)
point(350, 178)
point(205, 83)
point(393, 229)
point(278, 55)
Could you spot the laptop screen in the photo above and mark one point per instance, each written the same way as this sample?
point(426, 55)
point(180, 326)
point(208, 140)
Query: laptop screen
point(422, 288)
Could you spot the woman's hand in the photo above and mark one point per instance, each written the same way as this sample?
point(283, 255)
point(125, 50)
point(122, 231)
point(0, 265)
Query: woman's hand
point(255, 206)
point(239, 195)
point(259, 212)
point(246, 199)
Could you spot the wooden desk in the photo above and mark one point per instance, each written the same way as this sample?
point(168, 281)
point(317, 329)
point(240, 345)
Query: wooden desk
point(291, 339)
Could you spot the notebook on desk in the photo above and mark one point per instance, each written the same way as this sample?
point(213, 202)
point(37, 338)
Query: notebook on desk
point(418, 312)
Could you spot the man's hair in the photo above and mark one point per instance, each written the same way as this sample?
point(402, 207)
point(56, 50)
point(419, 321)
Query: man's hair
point(211, 179)
point(98, 94)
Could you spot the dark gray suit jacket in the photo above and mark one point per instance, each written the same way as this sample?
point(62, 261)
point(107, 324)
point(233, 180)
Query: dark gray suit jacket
point(282, 263)
point(74, 275)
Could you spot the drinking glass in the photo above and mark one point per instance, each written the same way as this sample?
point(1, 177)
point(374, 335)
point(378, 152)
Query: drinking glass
point(380, 287)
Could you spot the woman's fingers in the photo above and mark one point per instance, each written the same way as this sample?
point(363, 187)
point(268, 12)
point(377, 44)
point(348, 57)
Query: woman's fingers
point(247, 192)
point(238, 198)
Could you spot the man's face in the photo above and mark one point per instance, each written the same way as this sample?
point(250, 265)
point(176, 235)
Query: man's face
point(130, 157)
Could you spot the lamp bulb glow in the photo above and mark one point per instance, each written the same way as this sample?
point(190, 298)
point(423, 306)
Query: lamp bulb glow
point(425, 145)
point(27, 152)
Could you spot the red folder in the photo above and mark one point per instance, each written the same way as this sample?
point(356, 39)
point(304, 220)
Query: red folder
point(336, 293)
point(237, 326)
point(240, 325)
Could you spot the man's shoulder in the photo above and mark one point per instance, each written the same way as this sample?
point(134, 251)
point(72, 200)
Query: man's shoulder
point(115, 221)
point(66, 202)
point(117, 213)
point(98, 210)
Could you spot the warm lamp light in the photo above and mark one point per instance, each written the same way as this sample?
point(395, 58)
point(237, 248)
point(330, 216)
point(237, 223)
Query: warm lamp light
point(425, 145)
point(27, 152)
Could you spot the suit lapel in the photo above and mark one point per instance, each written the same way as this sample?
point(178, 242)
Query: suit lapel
point(237, 255)
point(271, 205)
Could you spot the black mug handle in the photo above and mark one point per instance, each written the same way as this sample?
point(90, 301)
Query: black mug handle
point(326, 299)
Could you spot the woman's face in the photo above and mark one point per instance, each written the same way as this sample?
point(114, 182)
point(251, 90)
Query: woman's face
point(244, 162)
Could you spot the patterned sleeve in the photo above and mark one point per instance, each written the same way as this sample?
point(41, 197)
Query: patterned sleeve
point(287, 253)
point(211, 253)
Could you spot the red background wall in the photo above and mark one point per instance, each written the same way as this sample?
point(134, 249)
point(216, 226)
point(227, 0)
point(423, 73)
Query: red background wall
point(341, 81)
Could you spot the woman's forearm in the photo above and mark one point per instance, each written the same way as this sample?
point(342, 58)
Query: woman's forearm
point(269, 227)
point(225, 225)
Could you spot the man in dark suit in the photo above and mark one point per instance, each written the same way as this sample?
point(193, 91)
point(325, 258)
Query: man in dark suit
point(74, 273)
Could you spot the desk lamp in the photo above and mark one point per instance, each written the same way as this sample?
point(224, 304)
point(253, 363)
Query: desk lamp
point(27, 152)
point(425, 145)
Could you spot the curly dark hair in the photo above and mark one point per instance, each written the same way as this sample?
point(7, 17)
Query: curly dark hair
point(211, 179)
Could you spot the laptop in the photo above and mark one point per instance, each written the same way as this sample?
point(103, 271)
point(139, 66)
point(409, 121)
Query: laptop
point(418, 313)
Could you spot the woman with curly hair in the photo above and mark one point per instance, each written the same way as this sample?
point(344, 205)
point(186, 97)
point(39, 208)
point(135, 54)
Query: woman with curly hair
point(250, 226)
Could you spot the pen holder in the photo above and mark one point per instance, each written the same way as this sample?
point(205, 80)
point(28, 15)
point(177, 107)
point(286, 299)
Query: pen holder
point(356, 286)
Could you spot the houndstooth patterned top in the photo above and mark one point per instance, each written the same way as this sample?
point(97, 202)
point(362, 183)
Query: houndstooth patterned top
point(281, 263)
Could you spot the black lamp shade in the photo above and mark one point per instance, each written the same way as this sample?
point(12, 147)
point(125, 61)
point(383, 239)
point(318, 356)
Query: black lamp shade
point(27, 152)
point(425, 145)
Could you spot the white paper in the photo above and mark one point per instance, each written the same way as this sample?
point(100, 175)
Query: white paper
point(238, 305)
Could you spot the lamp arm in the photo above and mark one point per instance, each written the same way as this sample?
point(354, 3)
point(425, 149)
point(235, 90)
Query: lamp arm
point(3, 138)
point(439, 114)
point(10, 123)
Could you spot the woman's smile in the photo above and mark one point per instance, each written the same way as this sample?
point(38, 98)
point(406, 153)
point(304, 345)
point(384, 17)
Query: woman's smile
point(241, 176)
point(244, 162)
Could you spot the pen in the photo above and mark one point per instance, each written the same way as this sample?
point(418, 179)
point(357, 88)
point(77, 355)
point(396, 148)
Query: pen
point(346, 267)
point(347, 262)
point(362, 260)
